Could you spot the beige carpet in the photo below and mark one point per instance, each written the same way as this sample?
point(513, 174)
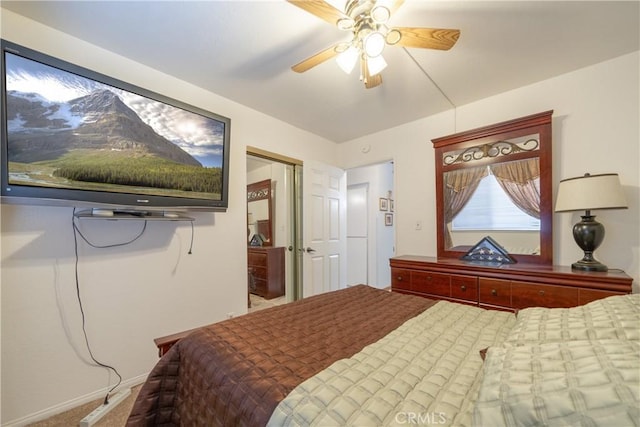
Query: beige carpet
point(117, 417)
point(259, 303)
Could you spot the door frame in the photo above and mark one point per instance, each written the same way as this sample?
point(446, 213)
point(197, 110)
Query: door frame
point(296, 211)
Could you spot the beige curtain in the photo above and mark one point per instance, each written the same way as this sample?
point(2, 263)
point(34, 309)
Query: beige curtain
point(521, 181)
point(459, 186)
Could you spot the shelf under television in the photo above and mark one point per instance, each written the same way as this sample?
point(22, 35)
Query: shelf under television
point(132, 215)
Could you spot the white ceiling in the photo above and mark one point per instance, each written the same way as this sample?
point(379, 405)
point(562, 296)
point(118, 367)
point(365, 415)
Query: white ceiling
point(243, 50)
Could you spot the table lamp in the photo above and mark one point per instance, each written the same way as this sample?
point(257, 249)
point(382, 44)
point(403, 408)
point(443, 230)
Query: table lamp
point(587, 193)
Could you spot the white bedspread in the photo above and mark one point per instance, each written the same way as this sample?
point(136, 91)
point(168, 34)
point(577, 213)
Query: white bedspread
point(426, 372)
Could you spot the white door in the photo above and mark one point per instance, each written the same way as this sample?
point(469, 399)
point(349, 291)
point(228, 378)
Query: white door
point(325, 224)
point(357, 234)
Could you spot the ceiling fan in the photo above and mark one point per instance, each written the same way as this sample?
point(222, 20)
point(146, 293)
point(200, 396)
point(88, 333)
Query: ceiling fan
point(367, 21)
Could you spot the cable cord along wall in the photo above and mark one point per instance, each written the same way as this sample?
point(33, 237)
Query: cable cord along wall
point(79, 235)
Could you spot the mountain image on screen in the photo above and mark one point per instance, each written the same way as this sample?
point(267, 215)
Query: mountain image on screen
point(96, 141)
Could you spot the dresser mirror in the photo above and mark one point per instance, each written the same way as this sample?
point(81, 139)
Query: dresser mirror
point(495, 181)
point(259, 214)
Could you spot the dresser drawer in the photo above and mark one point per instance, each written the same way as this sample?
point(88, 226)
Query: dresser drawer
point(585, 296)
point(260, 287)
point(266, 271)
point(525, 295)
point(400, 279)
point(494, 291)
point(258, 272)
point(431, 283)
point(464, 287)
point(257, 259)
point(508, 288)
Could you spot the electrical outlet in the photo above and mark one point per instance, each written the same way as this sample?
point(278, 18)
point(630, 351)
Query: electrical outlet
point(418, 225)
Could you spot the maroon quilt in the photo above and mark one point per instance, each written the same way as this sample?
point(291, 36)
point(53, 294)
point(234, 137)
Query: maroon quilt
point(234, 373)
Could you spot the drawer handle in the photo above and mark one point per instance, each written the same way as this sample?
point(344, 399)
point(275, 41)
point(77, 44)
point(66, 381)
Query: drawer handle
point(399, 278)
point(541, 292)
point(463, 288)
point(494, 292)
point(429, 278)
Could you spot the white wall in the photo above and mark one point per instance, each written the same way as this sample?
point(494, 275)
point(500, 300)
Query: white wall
point(131, 294)
point(596, 129)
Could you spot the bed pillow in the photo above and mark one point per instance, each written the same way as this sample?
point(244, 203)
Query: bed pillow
point(560, 384)
point(616, 317)
point(565, 366)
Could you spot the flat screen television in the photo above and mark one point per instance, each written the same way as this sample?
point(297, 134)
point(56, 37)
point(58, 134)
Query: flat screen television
point(73, 135)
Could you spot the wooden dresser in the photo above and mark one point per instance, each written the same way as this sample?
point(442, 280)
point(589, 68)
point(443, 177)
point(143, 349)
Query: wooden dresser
point(508, 287)
point(266, 271)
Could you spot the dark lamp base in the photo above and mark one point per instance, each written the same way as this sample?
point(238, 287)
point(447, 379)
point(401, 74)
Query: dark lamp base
point(588, 265)
point(588, 234)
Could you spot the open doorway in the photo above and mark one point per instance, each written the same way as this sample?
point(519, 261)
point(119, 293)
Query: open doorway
point(273, 264)
point(370, 224)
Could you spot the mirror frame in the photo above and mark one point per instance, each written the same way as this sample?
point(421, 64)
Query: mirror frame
point(534, 124)
point(257, 191)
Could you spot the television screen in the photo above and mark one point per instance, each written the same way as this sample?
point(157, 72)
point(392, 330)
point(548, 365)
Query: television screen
point(72, 134)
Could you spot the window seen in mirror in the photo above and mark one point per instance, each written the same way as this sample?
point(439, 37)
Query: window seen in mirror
point(491, 209)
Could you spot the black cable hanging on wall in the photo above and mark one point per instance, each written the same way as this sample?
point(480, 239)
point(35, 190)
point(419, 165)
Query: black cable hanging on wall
point(76, 233)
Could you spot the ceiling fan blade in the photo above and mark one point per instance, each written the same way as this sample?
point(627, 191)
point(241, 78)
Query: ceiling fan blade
point(395, 6)
point(369, 80)
point(316, 59)
point(428, 38)
point(373, 81)
point(321, 9)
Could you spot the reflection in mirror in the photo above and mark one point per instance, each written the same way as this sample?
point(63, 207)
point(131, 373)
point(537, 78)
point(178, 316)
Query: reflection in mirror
point(496, 181)
point(259, 217)
point(501, 200)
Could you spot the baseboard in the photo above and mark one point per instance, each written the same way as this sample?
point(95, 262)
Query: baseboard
point(57, 409)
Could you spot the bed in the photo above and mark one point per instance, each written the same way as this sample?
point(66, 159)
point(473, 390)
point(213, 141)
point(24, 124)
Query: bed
point(368, 357)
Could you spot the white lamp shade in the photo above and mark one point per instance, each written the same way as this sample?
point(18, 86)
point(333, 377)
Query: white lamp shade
point(376, 65)
point(590, 192)
point(347, 59)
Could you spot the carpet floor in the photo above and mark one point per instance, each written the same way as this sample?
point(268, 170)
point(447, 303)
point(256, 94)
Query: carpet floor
point(117, 417)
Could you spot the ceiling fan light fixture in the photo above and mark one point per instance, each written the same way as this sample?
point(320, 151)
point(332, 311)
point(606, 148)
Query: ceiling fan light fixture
point(393, 37)
point(376, 64)
point(345, 24)
point(347, 59)
point(368, 23)
point(380, 14)
point(373, 44)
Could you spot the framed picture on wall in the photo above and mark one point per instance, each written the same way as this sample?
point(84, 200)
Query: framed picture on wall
point(391, 205)
point(388, 219)
point(384, 204)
